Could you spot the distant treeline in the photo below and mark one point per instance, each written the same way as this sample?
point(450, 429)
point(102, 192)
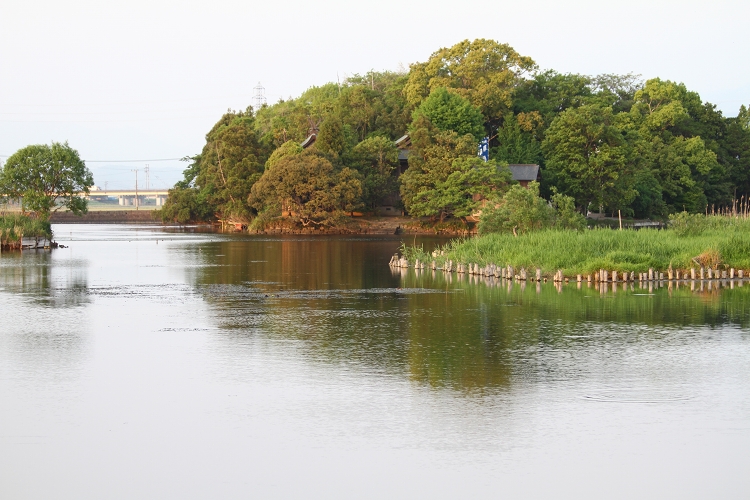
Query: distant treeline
point(606, 143)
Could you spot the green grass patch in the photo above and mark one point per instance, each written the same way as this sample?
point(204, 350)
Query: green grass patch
point(719, 244)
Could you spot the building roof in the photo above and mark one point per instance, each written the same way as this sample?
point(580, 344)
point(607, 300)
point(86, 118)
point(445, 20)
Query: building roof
point(309, 141)
point(524, 172)
point(403, 142)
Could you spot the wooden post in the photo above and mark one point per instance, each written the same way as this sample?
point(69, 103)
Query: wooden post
point(651, 274)
point(619, 216)
point(614, 276)
point(538, 274)
point(701, 272)
point(710, 273)
point(731, 273)
point(741, 273)
point(578, 278)
point(692, 273)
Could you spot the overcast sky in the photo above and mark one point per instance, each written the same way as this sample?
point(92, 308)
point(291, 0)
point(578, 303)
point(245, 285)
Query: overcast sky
point(145, 80)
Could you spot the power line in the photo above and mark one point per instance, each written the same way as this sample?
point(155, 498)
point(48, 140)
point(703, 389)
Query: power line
point(119, 161)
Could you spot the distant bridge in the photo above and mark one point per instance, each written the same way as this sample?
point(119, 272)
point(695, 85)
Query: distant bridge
point(132, 197)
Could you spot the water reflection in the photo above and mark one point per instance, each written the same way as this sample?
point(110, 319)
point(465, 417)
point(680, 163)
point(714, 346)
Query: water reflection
point(47, 280)
point(340, 300)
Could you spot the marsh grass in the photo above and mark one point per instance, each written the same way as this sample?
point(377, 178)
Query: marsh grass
point(718, 243)
point(14, 226)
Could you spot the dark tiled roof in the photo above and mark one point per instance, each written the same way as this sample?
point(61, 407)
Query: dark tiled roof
point(524, 172)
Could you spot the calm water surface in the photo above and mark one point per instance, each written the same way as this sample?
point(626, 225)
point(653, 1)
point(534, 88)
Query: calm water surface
point(150, 363)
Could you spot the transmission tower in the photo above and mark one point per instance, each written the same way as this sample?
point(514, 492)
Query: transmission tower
point(259, 99)
point(148, 180)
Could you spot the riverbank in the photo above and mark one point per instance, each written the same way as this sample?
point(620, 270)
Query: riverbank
point(370, 225)
point(567, 254)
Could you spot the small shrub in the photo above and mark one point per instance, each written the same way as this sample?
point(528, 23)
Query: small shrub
point(685, 224)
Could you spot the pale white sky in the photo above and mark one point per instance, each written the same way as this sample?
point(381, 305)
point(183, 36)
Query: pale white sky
point(146, 80)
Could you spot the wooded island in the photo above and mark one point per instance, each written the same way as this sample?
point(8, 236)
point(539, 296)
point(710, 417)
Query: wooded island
point(408, 141)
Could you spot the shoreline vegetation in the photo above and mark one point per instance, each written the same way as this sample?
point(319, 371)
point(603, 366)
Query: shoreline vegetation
point(694, 246)
point(451, 137)
point(15, 227)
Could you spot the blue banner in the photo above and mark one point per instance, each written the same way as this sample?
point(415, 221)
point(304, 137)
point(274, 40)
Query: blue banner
point(484, 149)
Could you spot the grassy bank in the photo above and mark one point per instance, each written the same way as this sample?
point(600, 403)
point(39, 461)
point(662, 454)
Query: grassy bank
point(15, 226)
point(712, 243)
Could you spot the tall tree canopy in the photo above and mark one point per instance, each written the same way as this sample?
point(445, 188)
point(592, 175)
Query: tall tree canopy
point(231, 162)
point(449, 111)
point(483, 71)
point(47, 178)
point(586, 153)
point(308, 185)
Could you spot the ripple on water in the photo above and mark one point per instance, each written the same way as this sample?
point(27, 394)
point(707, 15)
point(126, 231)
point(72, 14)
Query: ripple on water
point(638, 396)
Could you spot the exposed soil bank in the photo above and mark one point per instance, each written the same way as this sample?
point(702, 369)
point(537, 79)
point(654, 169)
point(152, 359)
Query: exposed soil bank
point(368, 225)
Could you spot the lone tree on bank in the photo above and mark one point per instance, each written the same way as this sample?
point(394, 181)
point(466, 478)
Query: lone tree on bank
point(47, 178)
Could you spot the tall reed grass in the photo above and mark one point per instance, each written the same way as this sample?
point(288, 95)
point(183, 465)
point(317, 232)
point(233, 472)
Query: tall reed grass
point(719, 242)
point(14, 226)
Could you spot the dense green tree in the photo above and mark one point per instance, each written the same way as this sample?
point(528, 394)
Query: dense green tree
point(185, 204)
point(550, 93)
point(449, 111)
point(736, 149)
point(515, 145)
point(289, 148)
point(445, 177)
point(663, 142)
point(47, 178)
point(376, 159)
point(308, 186)
point(230, 163)
point(520, 210)
point(587, 155)
point(483, 71)
point(333, 138)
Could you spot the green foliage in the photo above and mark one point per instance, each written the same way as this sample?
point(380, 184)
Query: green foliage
point(609, 141)
point(376, 159)
point(549, 93)
point(483, 71)
point(586, 153)
point(13, 227)
point(521, 210)
point(448, 111)
point(230, 164)
point(289, 148)
point(516, 145)
point(565, 214)
point(332, 138)
point(687, 224)
point(431, 164)
point(47, 178)
point(307, 185)
point(183, 205)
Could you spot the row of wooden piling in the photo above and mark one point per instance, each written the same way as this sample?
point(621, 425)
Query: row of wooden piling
point(602, 276)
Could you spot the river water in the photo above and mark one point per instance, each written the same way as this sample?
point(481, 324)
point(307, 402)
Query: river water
point(144, 362)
